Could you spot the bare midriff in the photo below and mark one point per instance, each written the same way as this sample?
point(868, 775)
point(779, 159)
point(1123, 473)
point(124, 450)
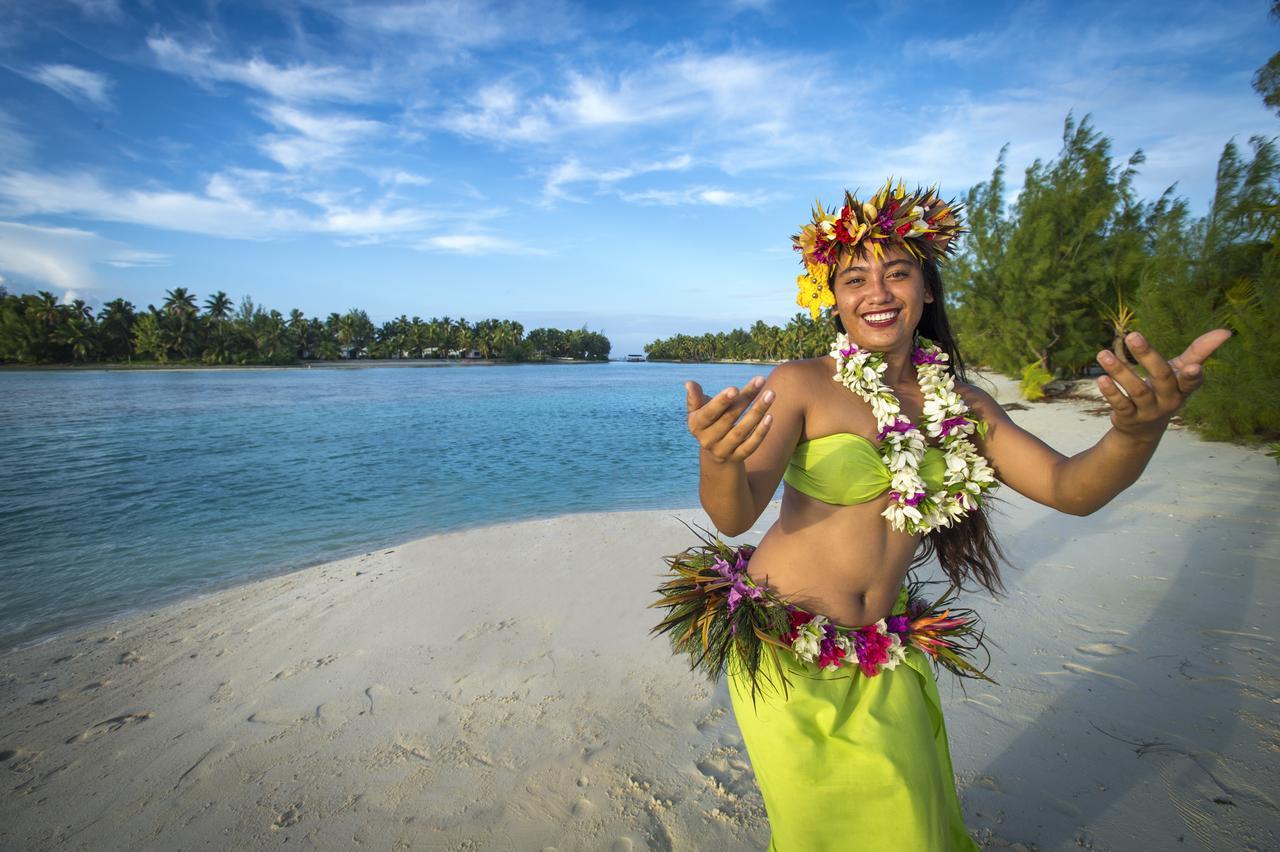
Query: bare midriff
point(844, 562)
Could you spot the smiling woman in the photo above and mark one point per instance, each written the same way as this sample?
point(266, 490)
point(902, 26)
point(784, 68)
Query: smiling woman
point(825, 637)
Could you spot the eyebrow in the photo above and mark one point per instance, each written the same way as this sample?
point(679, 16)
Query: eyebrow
point(864, 269)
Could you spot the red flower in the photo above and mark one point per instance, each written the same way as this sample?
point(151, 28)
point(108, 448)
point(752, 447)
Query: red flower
point(798, 618)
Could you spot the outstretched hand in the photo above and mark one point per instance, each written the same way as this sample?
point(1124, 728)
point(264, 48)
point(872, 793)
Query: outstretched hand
point(714, 420)
point(1142, 408)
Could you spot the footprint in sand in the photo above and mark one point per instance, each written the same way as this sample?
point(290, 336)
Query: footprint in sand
point(488, 628)
point(50, 699)
point(710, 721)
point(19, 759)
point(96, 685)
point(1106, 631)
point(377, 694)
point(291, 815)
point(1104, 649)
point(728, 772)
point(1076, 668)
point(305, 665)
point(129, 658)
point(109, 726)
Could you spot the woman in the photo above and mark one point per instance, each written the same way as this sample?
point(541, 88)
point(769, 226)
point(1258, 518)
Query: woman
point(884, 466)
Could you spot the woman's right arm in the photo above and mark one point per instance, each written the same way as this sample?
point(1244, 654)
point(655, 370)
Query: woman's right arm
point(743, 456)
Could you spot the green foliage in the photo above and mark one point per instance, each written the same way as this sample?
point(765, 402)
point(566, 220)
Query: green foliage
point(1224, 270)
point(1080, 260)
point(1034, 379)
point(37, 329)
point(1028, 285)
point(801, 337)
point(1266, 82)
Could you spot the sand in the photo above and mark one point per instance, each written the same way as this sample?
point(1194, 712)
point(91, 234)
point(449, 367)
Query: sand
point(497, 689)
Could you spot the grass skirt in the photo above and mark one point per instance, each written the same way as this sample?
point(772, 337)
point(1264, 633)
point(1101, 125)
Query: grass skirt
point(850, 762)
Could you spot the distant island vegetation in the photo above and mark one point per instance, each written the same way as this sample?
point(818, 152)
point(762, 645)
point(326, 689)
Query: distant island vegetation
point(37, 329)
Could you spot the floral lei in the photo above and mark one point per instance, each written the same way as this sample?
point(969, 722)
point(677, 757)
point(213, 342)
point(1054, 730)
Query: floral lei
point(912, 507)
point(719, 617)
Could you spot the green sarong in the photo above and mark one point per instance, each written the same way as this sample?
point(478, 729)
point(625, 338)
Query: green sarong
point(852, 762)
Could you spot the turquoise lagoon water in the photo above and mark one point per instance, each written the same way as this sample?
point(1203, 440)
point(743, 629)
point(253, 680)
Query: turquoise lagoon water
point(121, 490)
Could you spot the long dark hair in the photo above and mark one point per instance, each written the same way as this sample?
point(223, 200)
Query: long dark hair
point(968, 549)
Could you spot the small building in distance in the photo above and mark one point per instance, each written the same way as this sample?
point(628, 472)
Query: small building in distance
point(635, 358)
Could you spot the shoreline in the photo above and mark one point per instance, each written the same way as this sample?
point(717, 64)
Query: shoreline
point(353, 364)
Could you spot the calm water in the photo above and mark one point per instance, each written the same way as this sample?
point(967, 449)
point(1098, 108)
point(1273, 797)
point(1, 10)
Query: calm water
point(124, 489)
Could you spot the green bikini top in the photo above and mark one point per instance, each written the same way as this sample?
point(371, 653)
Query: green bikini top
point(845, 469)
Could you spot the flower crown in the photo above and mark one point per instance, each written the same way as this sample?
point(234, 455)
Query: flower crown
point(921, 223)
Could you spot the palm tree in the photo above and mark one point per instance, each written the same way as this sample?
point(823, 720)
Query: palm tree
point(218, 306)
point(115, 328)
point(179, 303)
point(45, 309)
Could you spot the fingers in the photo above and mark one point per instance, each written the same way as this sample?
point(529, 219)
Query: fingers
point(757, 435)
point(717, 426)
point(717, 417)
point(1190, 378)
point(1135, 388)
point(1120, 403)
point(694, 398)
point(1202, 347)
point(1163, 380)
point(743, 438)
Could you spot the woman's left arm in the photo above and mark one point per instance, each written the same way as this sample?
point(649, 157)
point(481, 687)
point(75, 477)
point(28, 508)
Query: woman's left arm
point(1140, 412)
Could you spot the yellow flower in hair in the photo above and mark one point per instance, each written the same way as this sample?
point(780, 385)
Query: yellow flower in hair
point(814, 293)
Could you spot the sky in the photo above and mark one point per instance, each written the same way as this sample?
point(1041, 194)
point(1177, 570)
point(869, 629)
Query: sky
point(635, 168)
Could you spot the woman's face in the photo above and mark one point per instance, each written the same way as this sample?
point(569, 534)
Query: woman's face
point(880, 301)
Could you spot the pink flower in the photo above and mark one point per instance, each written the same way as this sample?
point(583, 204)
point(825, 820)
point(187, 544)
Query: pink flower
point(872, 648)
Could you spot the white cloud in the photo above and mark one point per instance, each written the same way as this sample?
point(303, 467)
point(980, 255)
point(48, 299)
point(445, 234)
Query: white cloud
point(76, 84)
point(224, 210)
point(300, 82)
point(99, 9)
point(463, 24)
point(310, 140)
point(494, 114)
point(734, 110)
point(475, 244)
point(571, 171)
point(709, 195)
point(16, 146)
point(403, 178)
point(726, 94)
point(64, 257)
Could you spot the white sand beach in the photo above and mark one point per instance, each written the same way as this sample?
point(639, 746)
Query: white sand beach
point(496, 688)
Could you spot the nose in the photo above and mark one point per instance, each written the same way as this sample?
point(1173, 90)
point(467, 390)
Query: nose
point(877, 290)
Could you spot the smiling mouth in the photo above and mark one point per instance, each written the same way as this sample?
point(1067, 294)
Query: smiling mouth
point(881, 319)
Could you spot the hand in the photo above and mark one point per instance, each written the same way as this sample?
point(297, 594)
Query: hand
point(1143, 409)
point(714, 421)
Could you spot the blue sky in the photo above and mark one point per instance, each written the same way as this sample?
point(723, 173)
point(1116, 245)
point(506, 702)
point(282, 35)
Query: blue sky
point(634, 167)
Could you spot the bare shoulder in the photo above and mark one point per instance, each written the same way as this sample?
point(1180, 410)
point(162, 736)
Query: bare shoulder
point(799, 373)
point(980, 402)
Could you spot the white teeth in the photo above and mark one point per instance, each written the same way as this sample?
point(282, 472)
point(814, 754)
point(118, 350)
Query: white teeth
point(884, 317)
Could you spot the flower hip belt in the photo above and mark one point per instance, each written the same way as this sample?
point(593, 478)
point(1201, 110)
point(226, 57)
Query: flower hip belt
point(716, 612)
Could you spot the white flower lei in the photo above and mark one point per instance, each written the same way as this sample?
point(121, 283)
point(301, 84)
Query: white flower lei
point(912, 508)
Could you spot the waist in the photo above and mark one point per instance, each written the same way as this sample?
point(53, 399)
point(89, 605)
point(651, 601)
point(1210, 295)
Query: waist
point(846, 568)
